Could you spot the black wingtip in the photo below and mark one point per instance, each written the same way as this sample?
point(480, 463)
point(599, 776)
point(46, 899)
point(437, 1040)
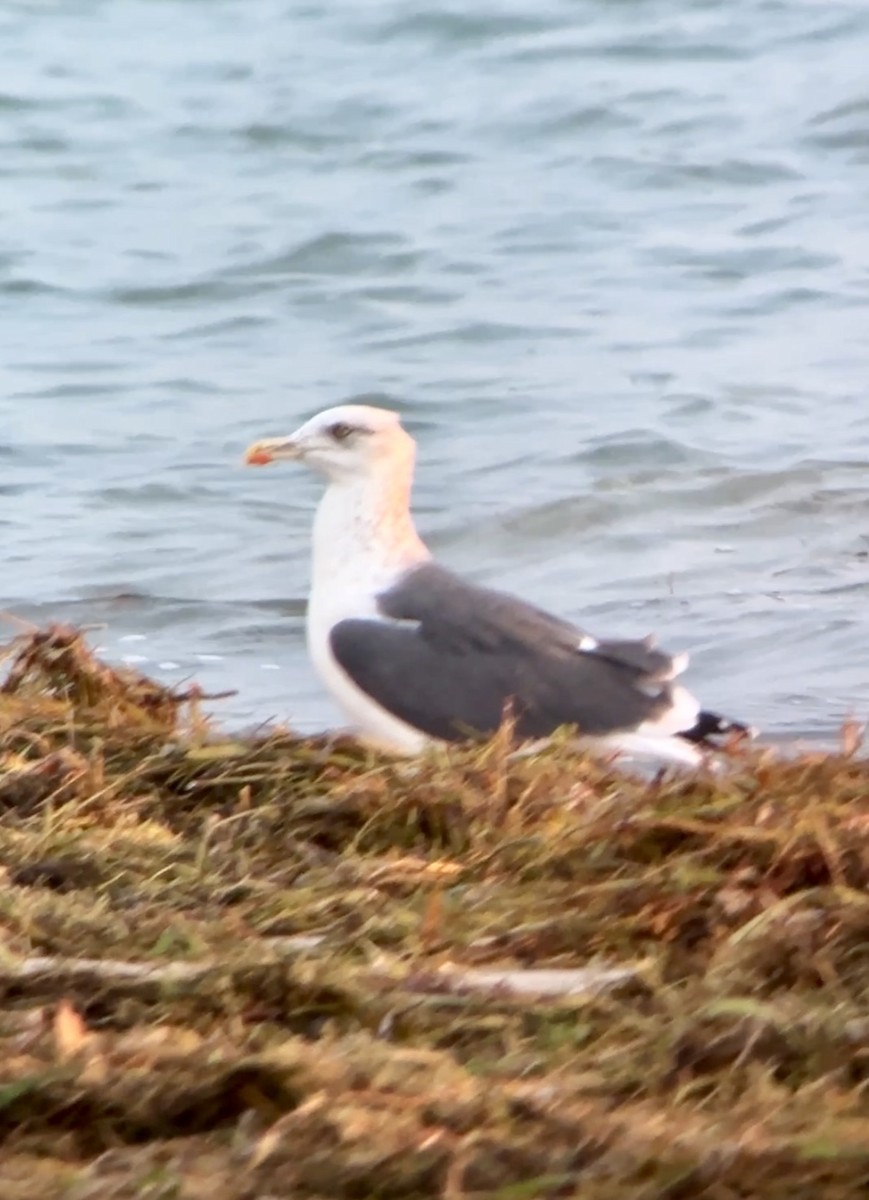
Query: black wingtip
point(710, 725)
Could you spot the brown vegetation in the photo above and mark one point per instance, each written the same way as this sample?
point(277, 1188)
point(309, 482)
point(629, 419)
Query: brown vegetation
point(281, 967)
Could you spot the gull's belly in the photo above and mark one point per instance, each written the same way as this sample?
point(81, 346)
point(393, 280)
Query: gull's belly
point(370, 719)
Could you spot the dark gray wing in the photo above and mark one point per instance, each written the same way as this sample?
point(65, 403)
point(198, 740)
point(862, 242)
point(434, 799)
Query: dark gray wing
point(458, 656)
point(652, 664)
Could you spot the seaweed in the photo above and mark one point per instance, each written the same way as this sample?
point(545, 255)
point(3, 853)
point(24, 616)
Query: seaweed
point(282, 966)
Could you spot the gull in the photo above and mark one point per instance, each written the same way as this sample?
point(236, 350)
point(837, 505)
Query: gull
point(414, 654)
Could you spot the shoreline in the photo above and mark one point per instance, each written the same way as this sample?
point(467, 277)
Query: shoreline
point(273, 965)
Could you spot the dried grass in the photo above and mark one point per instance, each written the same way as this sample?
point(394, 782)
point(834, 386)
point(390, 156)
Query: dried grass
point(275, 966)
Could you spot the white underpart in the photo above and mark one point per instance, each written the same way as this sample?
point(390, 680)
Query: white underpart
point(351, 568)
point(364, 541)
point(368, 718)
point(651, 747)
point(633, 747)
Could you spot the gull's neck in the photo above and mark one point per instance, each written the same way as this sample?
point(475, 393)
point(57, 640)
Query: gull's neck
point(364, 534)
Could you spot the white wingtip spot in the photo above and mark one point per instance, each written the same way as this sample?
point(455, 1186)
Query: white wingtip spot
point(587, 643)
point(679, 663)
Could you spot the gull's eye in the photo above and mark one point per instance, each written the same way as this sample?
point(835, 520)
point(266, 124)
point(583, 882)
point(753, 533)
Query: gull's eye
point(340, 432)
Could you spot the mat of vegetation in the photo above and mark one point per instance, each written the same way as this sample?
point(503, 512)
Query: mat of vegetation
point(273, 967)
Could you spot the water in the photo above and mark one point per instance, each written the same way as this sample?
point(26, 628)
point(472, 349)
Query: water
point(611, 260)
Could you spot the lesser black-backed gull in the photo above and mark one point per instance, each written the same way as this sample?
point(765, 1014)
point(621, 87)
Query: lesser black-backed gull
point(413, 654)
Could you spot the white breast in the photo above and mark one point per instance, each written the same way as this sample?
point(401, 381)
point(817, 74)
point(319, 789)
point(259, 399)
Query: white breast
point(351, 567)
point(369, 718)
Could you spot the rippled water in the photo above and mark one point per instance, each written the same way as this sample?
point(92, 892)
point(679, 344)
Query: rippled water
point(610, 258)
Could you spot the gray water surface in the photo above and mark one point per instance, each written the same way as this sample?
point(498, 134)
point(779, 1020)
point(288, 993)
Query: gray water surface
point(610, 259)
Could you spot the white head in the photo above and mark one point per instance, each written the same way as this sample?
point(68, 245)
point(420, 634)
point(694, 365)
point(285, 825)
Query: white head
point(346, 443)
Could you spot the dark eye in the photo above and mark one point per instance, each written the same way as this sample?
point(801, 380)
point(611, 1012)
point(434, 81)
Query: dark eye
point(340, 432)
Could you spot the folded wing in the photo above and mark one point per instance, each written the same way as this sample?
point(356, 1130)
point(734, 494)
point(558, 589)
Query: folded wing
point(450, 658)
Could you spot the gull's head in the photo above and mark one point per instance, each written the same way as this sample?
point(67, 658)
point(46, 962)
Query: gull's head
point(351, 441)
